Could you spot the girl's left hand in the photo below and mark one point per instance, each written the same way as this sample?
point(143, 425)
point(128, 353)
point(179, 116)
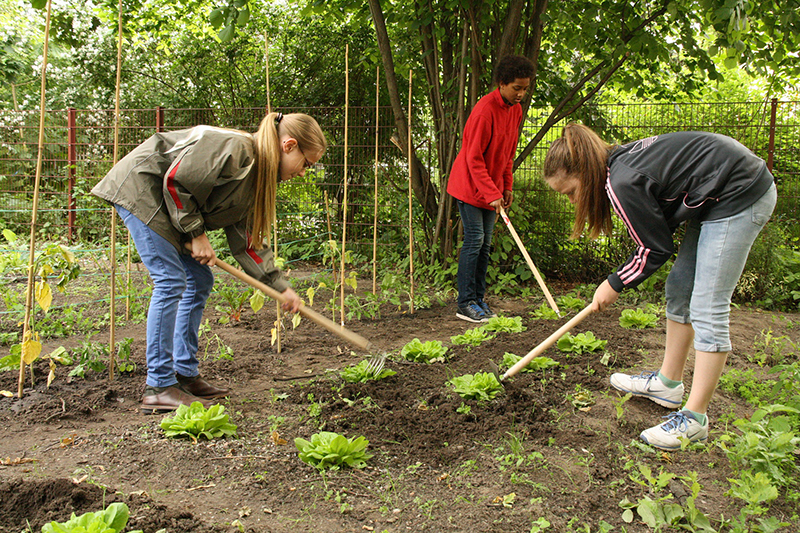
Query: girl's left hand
point(202, 250)
point(292, 301)
point(604, 296)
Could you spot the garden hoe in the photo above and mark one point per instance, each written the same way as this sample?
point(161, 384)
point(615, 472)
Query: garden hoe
point(340, 331)
point(528, 259)
point(545, 344)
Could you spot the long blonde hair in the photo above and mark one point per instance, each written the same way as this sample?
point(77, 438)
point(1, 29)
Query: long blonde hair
point(580, 153)
point(310, 140)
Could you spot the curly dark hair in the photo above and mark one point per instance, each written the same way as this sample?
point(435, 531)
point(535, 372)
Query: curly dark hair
point(512, 67)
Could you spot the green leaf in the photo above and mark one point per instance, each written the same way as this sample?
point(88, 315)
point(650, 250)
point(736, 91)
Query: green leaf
point(328, 450)
point(424, 352)
point(482, 386)
point(196, 421)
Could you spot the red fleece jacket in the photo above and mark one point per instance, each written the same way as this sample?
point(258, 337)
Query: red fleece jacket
point(482, 169)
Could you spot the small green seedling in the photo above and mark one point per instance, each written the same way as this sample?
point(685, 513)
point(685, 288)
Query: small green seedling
point(360, 373)
point(580, 343)
point(111, 520)
point(472, 337)
point(505, 324)
point(424, 352)
point(535, 365)
point(195, 421)
point(569, 301)
point(482, 386)
point(638, 319)
point(330, 451)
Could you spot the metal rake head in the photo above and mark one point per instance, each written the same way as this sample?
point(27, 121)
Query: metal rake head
point(375, 365)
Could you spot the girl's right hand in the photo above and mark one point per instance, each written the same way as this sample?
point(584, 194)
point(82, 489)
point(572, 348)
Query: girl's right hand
point(604, 296)
point(202, 250)
point(292, 301)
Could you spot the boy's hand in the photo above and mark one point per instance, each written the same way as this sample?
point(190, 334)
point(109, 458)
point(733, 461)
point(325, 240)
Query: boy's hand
point(508, 197)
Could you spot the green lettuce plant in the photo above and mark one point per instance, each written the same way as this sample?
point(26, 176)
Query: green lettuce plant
point(481, 386)
point(113, 519)
point(195, 421)
point(505, 324)
point(472, 337)
point(570, 301)
point(424, 352)
point(330, 451)
point(580, 343)
point(535, 365)
point(638, 319)
point(545, 312)
point(359, 373)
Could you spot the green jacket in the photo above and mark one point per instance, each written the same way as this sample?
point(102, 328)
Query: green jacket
point(186, 182)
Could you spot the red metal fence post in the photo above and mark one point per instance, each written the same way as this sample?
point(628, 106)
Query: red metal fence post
point(771, 148)
point(159, 119)
point(72, 161)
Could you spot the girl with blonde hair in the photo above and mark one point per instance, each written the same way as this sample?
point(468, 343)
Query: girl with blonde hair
point(170, 191)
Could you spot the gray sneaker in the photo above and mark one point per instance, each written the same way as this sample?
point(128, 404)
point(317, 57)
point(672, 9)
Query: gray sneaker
point(648, 385)
point(679, 427)
point(472, 312)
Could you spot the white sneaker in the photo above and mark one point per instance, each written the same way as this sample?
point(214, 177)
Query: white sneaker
point(648, 385)
point(678, 427)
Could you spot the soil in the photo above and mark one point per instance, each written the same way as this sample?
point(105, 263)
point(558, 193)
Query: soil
point(529, 454)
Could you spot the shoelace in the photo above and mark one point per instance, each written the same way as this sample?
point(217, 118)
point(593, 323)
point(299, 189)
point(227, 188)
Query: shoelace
point(646, 375)
point(477, 308)
point(676, 420)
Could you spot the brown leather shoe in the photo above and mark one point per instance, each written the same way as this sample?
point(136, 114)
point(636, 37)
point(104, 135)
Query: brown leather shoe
point(201, 388)
point(165, 399)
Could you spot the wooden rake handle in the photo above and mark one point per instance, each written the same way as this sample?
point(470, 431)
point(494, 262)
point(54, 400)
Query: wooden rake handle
point(528, 259)
point(548, 342)
point(342, 332)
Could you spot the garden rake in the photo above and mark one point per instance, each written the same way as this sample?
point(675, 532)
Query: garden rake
point(528, 260)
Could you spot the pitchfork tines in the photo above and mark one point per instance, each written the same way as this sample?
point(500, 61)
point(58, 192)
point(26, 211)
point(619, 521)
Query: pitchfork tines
point(375, 365)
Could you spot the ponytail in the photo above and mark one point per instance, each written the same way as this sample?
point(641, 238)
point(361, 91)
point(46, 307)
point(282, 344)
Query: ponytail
point(580, 153)
point(310, 139)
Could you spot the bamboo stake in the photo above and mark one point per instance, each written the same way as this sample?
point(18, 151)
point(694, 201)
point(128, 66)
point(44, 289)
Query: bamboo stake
point(344, 204)
point(333, 263)
point(275, 206)
point(375, 212)
point(113, 303)
point(410, 215)
point(26, 331)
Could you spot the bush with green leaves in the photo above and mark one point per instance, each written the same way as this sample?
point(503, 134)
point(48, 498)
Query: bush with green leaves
point(637, 318)
point(195, 421)
point(112, 519)
point(505, 324)
point(580, 343)
point(472, 337)
point(534, 365)
point(331, 451)
point(359, 373)
point(481, 386)
point(424, 352)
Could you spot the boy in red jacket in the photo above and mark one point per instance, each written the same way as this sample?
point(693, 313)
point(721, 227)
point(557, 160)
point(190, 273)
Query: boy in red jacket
point(481, 179)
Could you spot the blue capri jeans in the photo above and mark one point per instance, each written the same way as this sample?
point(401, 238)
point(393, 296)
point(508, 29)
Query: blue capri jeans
point(710, 261)
point(181, 287)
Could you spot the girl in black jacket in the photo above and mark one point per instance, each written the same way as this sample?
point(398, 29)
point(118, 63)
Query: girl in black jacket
point(725, 195)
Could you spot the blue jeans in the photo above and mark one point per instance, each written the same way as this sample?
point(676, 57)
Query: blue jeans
point(710, 261)
point(181, 287)
point(474, 258)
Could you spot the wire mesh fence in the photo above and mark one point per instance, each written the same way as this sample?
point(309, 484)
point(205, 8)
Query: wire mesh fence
point(78, 150)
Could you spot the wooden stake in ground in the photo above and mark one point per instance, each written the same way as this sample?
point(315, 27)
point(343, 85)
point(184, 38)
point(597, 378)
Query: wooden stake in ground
point(275, 206)
point(375, 202)
point(344, 201)
point(26, 331)
point(333, 262)
point(410, 214)
point(113, 258)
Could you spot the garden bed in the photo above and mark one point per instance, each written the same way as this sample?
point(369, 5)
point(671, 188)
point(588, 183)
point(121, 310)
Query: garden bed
point(440, 463)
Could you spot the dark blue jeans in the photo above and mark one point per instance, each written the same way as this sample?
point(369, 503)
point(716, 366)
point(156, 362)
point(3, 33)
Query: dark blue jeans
point(474, 259)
